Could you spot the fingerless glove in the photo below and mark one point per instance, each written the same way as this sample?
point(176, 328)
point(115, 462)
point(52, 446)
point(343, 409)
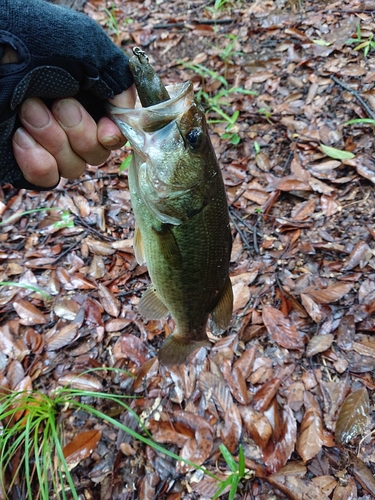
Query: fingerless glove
point(60, 53)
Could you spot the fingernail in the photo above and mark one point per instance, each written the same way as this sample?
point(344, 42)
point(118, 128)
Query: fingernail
point(23, 139)
point(68, 113)
point(35, 113)
point(111, 141)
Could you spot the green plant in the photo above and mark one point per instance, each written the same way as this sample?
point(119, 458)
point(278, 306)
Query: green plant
point(125, 163)
point(31, 432)
point(66, 220)
point(369, 121)
point(24, 285)
point(362, 43)
point(229, 51)
point(218, 101)
point(267, 113)
point(256, 147)
point(238, 472)
point(112, 23)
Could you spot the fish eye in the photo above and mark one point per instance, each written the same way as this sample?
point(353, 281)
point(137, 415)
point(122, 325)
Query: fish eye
point(194, 137)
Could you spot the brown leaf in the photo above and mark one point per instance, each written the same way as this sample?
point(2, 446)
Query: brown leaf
point(276, 454)
point(281, 329)
point(66, 335)
point(196, 450)
point(330, 294)
point(80, 381)
point(29, 314)
point(235, 381)
point(312, 308)
point(66, 308)
point(99, 247)
point(263, 397)
point(319, 343)
point(310, 439)
point(363, 475)
point(291, 482)
point(108, 300)
point(360, 255)
point(364, 164)
point(81, 447)
point(256, 425)
point(346, 491)
point(353, 415)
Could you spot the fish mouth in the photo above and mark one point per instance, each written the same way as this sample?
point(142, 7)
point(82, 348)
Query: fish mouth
point(136, 122)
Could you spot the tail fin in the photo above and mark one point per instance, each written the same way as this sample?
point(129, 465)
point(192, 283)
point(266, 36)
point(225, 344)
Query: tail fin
point(176, 349)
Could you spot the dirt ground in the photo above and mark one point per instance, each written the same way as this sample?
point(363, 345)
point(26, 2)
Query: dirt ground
point(292, 380)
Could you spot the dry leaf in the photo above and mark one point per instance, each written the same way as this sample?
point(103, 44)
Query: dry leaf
point(330, 294)
point(66, 335)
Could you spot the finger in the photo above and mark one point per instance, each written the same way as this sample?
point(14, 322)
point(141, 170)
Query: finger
point(108, 133)
point(38, 166)
point(39, 122)
point(81, 130)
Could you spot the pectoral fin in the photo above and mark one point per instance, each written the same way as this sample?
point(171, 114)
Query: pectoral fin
point(221, 315)
point(151, 306)
point(138, 247)
point(168, 246)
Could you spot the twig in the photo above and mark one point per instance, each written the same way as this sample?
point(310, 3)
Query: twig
point(192, 23)
point(363, 103)
point(253, 229)
point(243, 238)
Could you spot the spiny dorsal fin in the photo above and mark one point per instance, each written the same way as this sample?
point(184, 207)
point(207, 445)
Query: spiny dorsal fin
point(221, 315)
point(151, 306)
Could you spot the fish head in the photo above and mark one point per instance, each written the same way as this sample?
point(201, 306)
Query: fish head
point(174, 157)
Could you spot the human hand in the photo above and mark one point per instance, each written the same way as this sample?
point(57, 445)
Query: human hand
point(53, 53)
point(60, 142)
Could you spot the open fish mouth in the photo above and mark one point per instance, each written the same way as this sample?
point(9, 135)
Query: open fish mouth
point(134, 123)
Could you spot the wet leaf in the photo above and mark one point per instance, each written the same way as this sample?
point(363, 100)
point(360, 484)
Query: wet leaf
point(109, 301)
point(29, 314)
point(330, 294)
point(83, 381)
point(352, 417)
point(281, 329)
point(81, 447)
point(310, 439)
point(66, 335)
point(319, 343)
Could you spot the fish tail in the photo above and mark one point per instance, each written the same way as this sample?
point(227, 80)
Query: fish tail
point(177, 348)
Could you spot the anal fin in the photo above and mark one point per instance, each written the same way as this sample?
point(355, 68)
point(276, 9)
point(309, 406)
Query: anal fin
point(151, 306)
point(221, 315)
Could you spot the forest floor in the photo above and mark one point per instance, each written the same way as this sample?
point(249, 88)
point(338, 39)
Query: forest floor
point(292, 380)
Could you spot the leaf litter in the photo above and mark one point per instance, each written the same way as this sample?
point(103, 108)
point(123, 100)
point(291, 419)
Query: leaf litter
point(293, 379)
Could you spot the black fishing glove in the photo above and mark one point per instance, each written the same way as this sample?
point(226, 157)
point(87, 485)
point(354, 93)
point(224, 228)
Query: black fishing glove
point(60, 53)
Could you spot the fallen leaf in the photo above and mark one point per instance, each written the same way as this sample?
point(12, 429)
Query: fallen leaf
point(310, 439)
point(81, 446)
point(353, 415)
point(281, 329)
point(29, 314)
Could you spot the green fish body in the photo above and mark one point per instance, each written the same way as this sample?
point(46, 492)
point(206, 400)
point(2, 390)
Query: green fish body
point(182, 222)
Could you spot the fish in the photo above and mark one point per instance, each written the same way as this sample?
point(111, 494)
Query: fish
point(182, 231)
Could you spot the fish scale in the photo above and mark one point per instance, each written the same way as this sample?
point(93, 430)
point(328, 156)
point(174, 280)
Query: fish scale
point(179, 202)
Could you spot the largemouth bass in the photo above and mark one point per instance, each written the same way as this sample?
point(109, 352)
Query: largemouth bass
point(179, 202)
